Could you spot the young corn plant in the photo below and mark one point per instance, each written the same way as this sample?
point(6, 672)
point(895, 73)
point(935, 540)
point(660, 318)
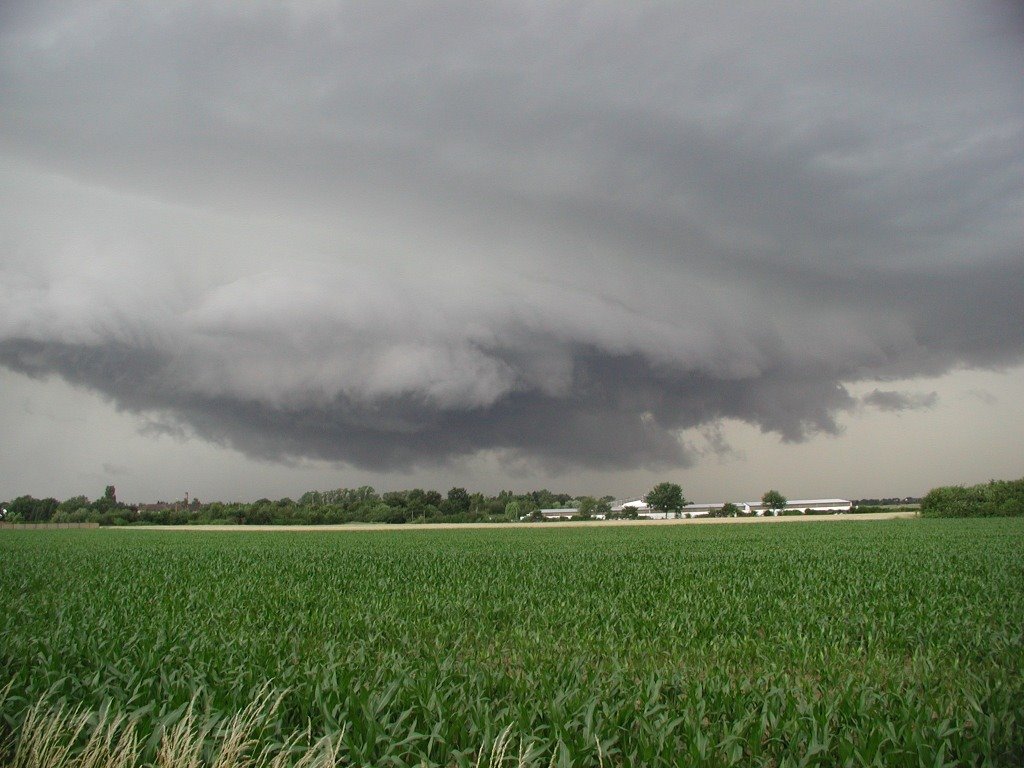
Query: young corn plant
point(889, 643)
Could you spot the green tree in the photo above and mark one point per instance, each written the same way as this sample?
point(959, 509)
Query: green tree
point(728, 510)
point(513, 510)
point(311, 499)
point(774, 501)
point(477, 502)
point(107, 502)
point(667, 498)
point(585, 507)
point(31, 510)
point(458, 501)
point(395, 499)
point(73, 504)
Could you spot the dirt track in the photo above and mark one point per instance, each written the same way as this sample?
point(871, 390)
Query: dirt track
point(602, 523)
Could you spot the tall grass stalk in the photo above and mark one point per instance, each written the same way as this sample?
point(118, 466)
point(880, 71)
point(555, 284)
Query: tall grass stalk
point(54, 736)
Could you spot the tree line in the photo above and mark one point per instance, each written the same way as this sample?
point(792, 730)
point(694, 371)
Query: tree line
point(77, 509)
point(351, 505)
point(367, 505)
point(341, 505)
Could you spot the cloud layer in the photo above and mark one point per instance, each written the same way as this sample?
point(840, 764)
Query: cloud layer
point(558, 231)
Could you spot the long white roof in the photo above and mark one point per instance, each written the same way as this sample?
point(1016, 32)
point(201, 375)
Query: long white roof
point(810, 502)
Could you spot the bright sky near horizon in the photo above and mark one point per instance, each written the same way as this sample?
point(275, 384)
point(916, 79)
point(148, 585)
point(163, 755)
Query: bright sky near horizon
point(260, 248)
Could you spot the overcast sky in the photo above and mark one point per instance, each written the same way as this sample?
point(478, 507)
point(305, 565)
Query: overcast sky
point(250, 249)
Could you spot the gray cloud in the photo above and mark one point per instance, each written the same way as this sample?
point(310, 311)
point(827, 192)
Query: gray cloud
point(394, 237)
point(890, 400)
point(981, 395)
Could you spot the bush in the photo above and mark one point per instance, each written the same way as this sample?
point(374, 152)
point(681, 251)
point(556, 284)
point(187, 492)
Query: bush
point(997, 498)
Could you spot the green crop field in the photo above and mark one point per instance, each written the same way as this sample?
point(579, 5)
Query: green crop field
point(835, 643)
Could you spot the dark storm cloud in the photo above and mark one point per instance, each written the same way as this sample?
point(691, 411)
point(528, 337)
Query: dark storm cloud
point(398, 234)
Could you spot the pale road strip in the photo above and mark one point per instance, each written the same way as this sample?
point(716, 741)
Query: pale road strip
point(532, 526)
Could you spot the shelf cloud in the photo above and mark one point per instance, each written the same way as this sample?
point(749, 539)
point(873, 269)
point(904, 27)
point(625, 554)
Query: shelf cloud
point(394, 236)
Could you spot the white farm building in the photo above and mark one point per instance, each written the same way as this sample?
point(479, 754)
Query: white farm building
point(559, 514)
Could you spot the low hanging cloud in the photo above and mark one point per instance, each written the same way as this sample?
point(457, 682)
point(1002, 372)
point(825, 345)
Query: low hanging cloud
point(890, 400)
point(563, 233)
